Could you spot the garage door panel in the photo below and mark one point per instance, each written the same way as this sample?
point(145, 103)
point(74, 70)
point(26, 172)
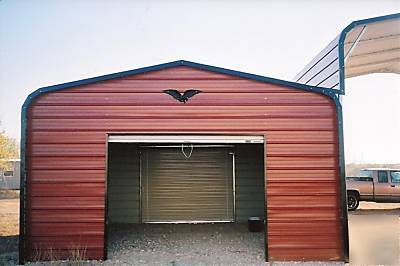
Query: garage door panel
point(176, 188)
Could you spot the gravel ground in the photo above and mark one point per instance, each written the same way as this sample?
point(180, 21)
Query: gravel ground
point(185, 244)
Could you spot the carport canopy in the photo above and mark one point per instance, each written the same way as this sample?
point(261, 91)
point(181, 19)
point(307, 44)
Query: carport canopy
point(364, 47)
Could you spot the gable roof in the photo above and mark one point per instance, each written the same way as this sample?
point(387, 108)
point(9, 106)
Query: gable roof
point(142, 70)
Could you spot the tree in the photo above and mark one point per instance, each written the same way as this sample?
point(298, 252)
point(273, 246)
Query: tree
point(9, 149)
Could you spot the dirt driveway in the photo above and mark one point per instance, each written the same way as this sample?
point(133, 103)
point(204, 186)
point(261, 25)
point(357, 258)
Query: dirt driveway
point(374, 231)
point(9, 222)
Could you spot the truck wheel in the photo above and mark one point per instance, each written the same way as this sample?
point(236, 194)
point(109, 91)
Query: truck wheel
point(352, 201)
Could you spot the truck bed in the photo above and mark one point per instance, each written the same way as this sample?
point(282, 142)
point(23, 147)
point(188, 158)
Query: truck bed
point(363, 185)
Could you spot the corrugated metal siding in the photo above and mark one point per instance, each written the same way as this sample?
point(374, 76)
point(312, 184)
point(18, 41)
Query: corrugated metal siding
point(123, 184)
point(249, 166)
point(83, 115)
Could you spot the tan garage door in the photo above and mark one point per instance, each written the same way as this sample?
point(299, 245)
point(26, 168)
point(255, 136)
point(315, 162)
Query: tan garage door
point(180, 189)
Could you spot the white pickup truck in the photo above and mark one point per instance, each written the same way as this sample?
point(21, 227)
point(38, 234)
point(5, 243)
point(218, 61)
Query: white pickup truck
point(373, 184)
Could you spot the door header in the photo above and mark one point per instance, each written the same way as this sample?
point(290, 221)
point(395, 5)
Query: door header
point(185, 139)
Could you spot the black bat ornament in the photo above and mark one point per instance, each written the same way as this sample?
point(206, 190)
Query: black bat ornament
point(183, 98)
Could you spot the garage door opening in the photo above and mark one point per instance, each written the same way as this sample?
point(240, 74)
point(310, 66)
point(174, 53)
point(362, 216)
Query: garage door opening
point(171, 190)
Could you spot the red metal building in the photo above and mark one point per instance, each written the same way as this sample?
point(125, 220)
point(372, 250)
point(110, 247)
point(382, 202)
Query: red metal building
point(68, 131)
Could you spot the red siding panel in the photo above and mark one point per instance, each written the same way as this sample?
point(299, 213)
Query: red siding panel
point(162, 99)
point(87, 137)
point(291, 253)
point(66, 229)
point(299, 137)
point(301, 188)
point(180, 111)
point(66, 176)
point(181, 73)
point(302, 228)
point(72, 216)
point(94, 150)
point(307, 175)
point(129, 85)
point(312, 149)
point(87, 202)
point(157, 125)
point(301, 163)
point(67, 161)
point(77, 137)
point(301, 201)
point(66, 189)
point(68, 242)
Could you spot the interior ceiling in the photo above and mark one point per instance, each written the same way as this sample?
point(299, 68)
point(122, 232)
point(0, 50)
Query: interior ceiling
point(374, 48)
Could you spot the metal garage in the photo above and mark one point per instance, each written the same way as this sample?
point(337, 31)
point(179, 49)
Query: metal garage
point(138, 146)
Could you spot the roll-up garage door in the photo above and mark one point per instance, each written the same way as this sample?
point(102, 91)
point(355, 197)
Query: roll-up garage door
point(180, 189)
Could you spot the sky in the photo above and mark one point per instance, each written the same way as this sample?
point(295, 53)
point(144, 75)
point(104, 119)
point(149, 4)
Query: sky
point(44, 43)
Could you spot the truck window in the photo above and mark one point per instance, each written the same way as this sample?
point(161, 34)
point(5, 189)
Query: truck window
point(366, 173)
point(382, 177)
point(395, 176)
